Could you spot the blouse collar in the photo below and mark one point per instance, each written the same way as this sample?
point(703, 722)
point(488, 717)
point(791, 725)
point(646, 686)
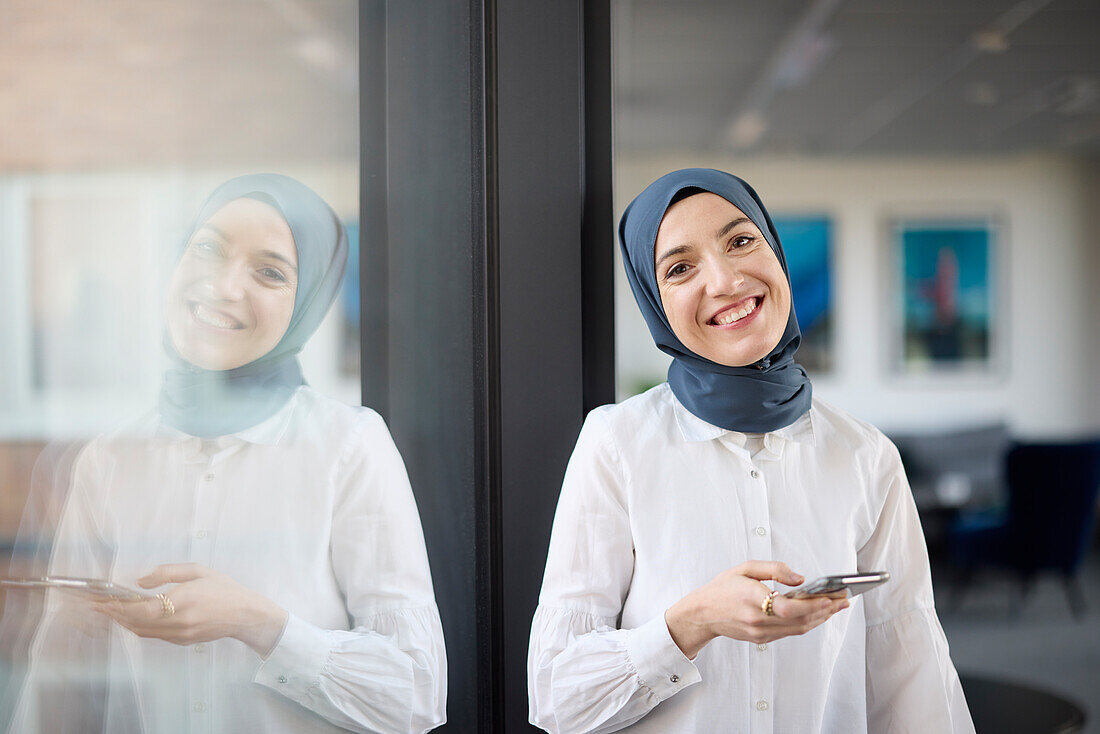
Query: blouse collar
point(694, 429)
point(265, 433)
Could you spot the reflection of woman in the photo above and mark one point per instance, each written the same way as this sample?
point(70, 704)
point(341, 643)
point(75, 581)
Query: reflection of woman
point(683, 506)
point(277, 524)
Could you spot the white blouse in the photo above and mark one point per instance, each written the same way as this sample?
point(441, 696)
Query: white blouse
point(657, 502)
point(311, 508)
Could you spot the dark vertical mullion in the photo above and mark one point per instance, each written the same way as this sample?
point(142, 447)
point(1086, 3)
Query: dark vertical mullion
point(373, 254)
point(487, 352)
point(492, 315)
point(554, 219)
point(597, 240)
point(439, 399)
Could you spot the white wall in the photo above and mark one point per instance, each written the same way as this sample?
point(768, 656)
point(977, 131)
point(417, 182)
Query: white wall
point(1049, 251)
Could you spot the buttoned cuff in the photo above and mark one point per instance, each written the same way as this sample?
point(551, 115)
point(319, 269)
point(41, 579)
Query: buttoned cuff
point(293, 668)
point(659, 662)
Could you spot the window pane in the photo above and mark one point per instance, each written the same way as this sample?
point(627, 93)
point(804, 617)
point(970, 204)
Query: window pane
point(120, 117)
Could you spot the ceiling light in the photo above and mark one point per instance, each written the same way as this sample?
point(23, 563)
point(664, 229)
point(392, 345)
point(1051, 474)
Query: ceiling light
point(747, 129)
point(990, 42)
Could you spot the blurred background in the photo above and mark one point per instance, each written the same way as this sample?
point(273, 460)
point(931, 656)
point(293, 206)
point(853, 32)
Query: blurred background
point(119, 117)
point(933, 168)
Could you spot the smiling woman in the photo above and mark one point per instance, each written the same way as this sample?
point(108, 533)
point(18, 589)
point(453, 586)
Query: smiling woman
point(686, 510)
point(271, 529)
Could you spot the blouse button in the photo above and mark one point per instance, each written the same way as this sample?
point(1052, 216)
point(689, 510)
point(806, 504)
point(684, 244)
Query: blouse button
point(761, 532)
point(754, 474)
point(200, 648)
point(200, 534)
point(761, 705)
point(210, 477)
point(762, 647)
point(282, 679)
point(674, 678)
point(198, 707)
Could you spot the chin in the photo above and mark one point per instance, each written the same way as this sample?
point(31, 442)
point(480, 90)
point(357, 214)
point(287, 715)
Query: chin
point(741, 357)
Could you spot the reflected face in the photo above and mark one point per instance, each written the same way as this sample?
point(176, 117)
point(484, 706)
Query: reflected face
point(722, 287)
point(232, 295)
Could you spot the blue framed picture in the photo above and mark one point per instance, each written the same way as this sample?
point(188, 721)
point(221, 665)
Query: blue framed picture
point(807, 243)
point(947, 295)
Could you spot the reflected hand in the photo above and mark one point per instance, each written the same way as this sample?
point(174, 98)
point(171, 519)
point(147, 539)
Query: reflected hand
point(730, 606)
point(208, 606)
point(73, 611)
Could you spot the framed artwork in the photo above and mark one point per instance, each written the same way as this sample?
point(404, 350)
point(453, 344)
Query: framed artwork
point(945, 296)
point(807, 243)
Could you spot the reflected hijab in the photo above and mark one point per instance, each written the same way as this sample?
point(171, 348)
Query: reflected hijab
point(765, 396)
point(209, 403)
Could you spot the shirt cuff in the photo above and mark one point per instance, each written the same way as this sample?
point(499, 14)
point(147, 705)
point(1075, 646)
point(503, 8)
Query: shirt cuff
point(293, 667)
point(659, 662)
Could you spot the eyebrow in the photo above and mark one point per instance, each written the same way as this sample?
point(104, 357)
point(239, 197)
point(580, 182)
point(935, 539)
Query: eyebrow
point(262, 253)
point(215, 230)
point(736, 222)
point(678, 250)
point(276, 256)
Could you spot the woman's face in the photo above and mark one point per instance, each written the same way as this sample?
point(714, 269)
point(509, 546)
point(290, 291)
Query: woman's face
point(232, 294)
point(722, 287)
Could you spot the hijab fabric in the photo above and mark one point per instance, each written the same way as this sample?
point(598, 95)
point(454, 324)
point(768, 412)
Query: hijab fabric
point(765, 396)
point(210, 403)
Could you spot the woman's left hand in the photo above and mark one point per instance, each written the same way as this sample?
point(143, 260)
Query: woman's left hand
point(208, 606)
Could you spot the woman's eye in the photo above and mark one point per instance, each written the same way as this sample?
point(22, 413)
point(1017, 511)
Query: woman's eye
point(205, 247)
point(272, 274)
point(742, 240)
point(676, 270)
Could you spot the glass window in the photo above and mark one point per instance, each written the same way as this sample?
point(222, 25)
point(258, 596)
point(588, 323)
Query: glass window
point(119, 119)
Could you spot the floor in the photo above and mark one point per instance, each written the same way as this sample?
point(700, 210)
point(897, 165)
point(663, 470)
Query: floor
point(1039, 644)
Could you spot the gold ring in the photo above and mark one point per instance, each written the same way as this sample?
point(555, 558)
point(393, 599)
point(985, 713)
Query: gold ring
point(167, 608)
point(766, 605)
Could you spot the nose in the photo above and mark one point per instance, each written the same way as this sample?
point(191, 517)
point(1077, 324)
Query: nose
point(724, 277)
point(228, 281)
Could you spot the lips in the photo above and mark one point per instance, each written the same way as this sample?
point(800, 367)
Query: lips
point(736, 312)
point(213, 318)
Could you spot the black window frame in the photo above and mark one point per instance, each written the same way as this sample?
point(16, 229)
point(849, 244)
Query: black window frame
point(486, 299)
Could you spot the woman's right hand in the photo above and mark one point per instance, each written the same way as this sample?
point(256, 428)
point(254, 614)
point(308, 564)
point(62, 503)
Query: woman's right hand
point(731, 606)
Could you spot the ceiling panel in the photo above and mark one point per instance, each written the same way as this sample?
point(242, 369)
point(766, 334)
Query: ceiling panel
point(124, 83)
point(874, 76)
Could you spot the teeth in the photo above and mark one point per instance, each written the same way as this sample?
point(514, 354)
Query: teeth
point(731, 316)
point(210, 318)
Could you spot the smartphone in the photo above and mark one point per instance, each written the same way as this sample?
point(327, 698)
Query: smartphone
point(840, 587)
point(89, 588)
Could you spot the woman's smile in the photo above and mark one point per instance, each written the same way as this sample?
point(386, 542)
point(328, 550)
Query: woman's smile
point(737, 315)
point(218, 320)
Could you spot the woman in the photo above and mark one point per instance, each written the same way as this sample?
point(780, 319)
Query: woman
point(276, 525)
point(684, 508)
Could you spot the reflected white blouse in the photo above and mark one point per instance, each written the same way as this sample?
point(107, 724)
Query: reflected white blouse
point(657, 502)
point(313, 509)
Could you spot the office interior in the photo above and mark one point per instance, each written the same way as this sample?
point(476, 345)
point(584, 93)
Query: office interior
point(861, 124)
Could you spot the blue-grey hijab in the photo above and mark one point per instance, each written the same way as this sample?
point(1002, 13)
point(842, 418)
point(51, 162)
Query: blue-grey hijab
point(211, 403)
point(761, 397)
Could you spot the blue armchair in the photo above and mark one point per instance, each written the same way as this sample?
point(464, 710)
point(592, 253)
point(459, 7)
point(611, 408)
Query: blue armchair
point(1048, 523)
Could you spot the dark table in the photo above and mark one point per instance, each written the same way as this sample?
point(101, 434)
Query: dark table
point(999, 707)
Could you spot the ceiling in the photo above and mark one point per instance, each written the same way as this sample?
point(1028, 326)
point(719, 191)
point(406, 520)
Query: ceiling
point(135, 83)
point(857, 76)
